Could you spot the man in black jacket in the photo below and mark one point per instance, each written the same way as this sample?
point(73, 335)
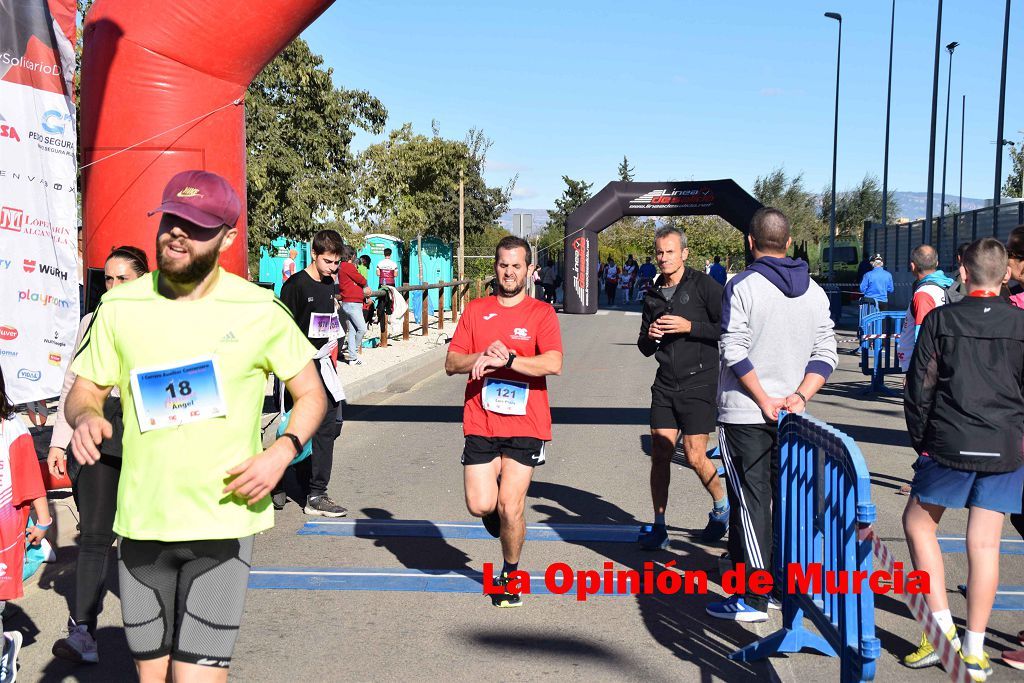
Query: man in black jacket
point(680, 327)
point(964, 406)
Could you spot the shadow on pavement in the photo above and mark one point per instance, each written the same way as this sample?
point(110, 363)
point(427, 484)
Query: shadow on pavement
point(677, 622)
point(881, 436)
point(419, 553)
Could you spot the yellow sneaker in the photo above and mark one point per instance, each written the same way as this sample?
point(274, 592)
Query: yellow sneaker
point(925, 655)
point(978, 668)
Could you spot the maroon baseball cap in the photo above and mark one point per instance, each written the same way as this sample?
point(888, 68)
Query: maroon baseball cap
point(203, 198)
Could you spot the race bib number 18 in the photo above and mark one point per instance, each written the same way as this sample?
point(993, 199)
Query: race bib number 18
point(176, 394)
point(505, 396)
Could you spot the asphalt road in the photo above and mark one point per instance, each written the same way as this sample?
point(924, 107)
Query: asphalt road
point(398, 458)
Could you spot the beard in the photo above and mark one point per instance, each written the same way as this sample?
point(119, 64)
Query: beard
point(509, 293)
point(197, 268)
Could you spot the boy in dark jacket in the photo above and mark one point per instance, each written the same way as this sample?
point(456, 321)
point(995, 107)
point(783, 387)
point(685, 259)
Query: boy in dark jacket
point(964, 406)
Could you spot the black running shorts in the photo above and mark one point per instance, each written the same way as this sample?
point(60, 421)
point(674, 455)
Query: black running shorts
point(691, 410)
point(481, 450)
point(184, 599)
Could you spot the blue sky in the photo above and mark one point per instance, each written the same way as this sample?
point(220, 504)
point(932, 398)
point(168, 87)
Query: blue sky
point(685, 89)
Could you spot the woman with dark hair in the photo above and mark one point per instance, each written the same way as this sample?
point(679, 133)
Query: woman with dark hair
point(94, 488)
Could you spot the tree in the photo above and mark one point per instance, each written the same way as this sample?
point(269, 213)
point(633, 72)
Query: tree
point(789, 196)
point(483, 243)
point(409, 185)
point(854, 206)
point(575, 195)
point(1012, 186)
point(708, 237)
point(299, 128)
point(625, 170)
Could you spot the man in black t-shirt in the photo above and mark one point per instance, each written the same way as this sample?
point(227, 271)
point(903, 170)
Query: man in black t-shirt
point(309, 295)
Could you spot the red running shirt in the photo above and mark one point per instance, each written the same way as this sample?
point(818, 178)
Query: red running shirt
point(529, 328)
point(21, 482)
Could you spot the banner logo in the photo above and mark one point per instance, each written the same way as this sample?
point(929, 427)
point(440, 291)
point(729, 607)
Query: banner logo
point(56, 122)
point(30, 375)
point(29, 266)
point(702, 197)
point(9, 132)
point(8, 333)
point(11, 218)
point(54, 358)
point(581, 268)
point(43, 299)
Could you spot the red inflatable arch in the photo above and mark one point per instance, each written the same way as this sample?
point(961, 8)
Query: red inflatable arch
point(150, 66)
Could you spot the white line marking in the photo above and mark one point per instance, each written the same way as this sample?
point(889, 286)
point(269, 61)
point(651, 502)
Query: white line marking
point(603, 312)
point(633, 313)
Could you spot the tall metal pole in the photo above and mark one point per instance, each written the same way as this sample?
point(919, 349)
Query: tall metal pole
point(945, 143)
point(462, 227)
point(929, 208)
point(996, 192)
point(888, 110)
point(963, 112)
point(835, 150)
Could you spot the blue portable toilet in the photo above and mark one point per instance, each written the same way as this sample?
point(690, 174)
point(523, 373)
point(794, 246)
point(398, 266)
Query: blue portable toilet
point(283, 255)
point(374, 247)
point(437, 267)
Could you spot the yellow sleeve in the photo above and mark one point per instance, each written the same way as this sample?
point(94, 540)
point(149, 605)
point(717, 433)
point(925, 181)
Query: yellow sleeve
point(96, 358)
point(287, 349)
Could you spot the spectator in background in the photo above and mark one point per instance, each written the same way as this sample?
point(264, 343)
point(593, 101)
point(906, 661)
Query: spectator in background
point(363, 266)
point(877, 283)
point(630, 270)
point(964, 407)
point(353, 289)
point(288, 268)
point(387, 270)
point(931, 290)
point(1015, 252)
point(549, 281)
point(625, 284)
point(863, 269)
point(958, 284)
point(717, 271)
point(611, 280)
point(94, 488)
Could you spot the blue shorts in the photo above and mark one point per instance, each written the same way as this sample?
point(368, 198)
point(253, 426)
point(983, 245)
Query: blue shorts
point(937, 484)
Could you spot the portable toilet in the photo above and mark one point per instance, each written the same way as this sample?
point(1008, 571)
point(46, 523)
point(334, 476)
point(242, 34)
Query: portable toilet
point(283, 259)
point(437, 267)
point(374, 247)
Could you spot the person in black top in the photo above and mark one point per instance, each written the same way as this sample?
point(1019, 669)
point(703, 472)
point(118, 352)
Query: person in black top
point(964, 407)
point(309, 295)
point(680, 327)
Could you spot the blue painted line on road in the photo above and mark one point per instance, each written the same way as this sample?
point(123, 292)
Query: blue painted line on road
point(365, 579)
point(422, 528)
point(958, 544)
point(1008, 598)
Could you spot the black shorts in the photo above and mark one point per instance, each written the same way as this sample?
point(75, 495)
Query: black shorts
point(184, 599)
point(691, 410)
point(525, 450)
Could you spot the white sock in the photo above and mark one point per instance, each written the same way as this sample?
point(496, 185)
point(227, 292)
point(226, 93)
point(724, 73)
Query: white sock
point(974, 644)
point(944, 619)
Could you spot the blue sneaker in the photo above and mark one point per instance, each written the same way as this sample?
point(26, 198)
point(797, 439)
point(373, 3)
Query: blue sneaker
point(654, 537)
point(718, 525)
point(734, 609)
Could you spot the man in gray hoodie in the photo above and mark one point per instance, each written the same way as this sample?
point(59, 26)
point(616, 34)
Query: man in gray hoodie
point(777, 349)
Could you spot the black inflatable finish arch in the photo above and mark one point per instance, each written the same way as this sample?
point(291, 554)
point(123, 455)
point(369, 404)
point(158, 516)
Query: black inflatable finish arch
point(686, 198)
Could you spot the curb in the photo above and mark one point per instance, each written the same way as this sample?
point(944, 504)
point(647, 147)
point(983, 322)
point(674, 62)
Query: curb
point(398, 378)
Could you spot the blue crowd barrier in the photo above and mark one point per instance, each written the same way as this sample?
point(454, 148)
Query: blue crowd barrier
point(879, 335)
point(824, 501)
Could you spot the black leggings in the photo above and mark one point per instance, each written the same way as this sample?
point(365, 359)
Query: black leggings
point(95, 491)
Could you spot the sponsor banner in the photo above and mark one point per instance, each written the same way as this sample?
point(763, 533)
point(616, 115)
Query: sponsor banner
point(38, 211)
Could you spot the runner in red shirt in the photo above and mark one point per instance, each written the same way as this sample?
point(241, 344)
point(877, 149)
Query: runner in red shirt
point(507, 344)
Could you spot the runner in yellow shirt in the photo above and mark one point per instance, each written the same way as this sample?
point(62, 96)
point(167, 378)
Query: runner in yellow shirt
point(190, 346)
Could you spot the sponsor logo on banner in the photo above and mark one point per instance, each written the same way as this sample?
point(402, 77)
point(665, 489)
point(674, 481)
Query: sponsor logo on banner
point(36, 179)
point(580, 274)
point(53, 144)
point(30, 375)
point(17, 220)
point(50, 69)
point(7, 353)
point(9, 132)
point(56, 341)
point(697, 198)
point(43, 299)
point(57, 122)
point(11, 218)
point(45, 269)
point(5, 263)
point(54, 358)
point(8, 333)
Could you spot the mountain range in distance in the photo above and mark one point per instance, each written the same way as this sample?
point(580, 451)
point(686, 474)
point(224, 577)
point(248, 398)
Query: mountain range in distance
point(911, 206)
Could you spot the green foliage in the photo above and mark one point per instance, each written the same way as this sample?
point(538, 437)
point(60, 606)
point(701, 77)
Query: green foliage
point(483, 243)
point(299, 128)
point(1012, 186)
point(625, 170)
point(789, 196)
point(409, 185)
point(551, 242)
point(854, 206)
point(708, 237)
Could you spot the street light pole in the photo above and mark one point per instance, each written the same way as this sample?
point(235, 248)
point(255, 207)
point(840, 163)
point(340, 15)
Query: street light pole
point(945, 143)
point(963, 112)
point(835, 149)
point(888, 110)
point(929, 209)
point(997, 191)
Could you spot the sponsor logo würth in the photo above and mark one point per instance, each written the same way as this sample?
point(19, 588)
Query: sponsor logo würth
point(29, 265)
point(45, 269)
point(703, 196)
point(8, 333)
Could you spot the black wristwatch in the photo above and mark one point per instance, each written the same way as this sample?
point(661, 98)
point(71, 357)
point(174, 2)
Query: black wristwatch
point(511, 357)
point(295, 441)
